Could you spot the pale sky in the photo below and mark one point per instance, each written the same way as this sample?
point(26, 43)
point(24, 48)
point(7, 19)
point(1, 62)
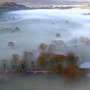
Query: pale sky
point(48, 0)
point(52, 1)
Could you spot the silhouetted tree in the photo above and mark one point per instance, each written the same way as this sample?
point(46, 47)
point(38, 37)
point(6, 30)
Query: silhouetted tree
point(71, 58)
point(4, 64)
point(32, 64)
point(56, 68)
point(24, 63)
point(43, 47)
point(42, 62)
point(50, 49)
point(15, 62)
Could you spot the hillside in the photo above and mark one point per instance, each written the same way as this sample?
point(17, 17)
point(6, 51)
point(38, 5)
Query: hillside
point(6, 6)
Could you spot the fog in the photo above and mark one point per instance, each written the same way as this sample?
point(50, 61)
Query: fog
point(41, 26)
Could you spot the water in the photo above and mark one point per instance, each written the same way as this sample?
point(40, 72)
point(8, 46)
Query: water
point(44, 82)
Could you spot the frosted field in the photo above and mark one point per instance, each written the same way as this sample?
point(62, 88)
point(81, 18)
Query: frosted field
point(40, 26)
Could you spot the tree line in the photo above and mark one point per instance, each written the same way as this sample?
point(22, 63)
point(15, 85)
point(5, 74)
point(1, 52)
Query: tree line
point(66, 65)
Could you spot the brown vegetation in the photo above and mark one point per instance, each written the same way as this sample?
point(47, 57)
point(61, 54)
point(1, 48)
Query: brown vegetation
point(73, 72)
point(46, 60)
point(71, 58)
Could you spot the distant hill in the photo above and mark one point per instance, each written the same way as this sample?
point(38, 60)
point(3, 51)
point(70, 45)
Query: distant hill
point(8, 6)
point(11, 6)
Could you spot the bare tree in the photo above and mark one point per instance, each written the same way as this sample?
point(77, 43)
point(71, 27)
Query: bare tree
point(15, 62)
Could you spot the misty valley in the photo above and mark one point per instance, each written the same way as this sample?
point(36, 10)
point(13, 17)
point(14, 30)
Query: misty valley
point(45, 47)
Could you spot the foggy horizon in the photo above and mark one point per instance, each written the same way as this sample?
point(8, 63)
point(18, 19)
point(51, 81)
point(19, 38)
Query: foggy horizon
point(42, 2)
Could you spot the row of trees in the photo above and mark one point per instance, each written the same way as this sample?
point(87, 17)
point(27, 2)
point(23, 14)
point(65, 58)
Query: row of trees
point(44, 60)
point(66, 64)
point(82, 40)
point(17, 63)
point(57, 63)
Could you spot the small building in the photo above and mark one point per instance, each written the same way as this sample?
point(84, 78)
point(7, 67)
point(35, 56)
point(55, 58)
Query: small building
point(86, 67)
